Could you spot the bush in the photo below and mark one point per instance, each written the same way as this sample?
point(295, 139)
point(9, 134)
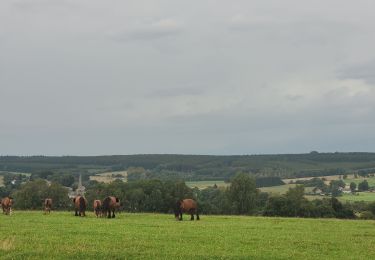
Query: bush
point(367, 215)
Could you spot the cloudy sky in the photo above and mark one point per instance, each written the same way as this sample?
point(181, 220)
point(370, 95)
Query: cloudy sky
point(92, 77)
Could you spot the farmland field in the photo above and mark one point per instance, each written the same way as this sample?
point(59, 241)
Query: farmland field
point(345, 197)
point(108, 177)
point(206, 184)
point(359, 196)
point(60, 235)
point(371, 181)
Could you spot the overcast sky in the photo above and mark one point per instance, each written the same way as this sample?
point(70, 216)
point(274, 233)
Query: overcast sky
point(90, 77)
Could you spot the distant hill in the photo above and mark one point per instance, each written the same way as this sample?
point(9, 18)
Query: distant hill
point(199, 167)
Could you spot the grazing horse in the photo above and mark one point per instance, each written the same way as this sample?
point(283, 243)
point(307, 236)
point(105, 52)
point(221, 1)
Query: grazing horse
point(6, 204)
point(98, 208)
point(186, 206)
point(47, 205)
point(80, 204)
point(110, 204)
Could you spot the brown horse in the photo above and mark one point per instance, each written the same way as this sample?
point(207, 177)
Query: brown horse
point(80, 204)
point(47, 205)
point(98, 208)
point(110, 204)
point(186, 206)
point(6, 204)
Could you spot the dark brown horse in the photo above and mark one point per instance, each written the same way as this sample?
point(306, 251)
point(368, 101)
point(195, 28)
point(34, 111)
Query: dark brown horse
point(47, 205)
point(110, 204)
point(98, 208)
point(6, 204)
point(188, 206)
point(80, 204)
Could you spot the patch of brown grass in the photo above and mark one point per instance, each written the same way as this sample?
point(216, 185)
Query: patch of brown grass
point(7, 244)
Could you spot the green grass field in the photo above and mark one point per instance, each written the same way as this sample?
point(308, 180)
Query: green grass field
point(371, 181)
point(206, 184)
point(359, 196)
point(31, 235)
point(281, 189)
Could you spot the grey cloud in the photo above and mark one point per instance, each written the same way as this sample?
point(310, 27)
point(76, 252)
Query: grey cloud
point(40, 5)
point(150, 31)
point(364, 71)
point(175, 92)
point(294, 97)
point(104, 77)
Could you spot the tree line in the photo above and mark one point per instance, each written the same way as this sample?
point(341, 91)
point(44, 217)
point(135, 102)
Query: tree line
point(241, 198)
point(201, 167)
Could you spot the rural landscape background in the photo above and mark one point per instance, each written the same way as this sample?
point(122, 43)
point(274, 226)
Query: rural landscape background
point(313, 185)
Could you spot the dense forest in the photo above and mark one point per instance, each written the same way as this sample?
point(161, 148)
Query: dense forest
point(199, 167)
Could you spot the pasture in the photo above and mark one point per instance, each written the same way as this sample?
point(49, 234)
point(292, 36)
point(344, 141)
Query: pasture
point(205, 184)
point(108, 177)
point(370, 180)
point(359, 196)
point(60, 235)
point(280, 189)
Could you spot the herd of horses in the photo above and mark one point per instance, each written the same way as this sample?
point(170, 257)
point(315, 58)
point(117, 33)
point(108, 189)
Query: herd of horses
point(107, 207)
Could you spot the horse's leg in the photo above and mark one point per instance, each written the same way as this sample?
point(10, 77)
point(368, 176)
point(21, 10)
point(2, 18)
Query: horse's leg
point(109, 213)
point(113, 214)
point(191, 211)
point(197, 215)
point(180, 216)
point(76, 213)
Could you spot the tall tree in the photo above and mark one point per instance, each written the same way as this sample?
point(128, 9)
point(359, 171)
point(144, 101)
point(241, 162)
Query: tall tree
point(363, 186)
point(242, 194)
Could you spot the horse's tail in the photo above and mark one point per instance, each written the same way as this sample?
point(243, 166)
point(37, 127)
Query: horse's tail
point(117, 199)
point(82, 204)
point(106, 203)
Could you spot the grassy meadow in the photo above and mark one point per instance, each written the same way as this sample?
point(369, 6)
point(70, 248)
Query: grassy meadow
point(205, 184)
point(370, 180)
point(32, 235)
point(359, 196)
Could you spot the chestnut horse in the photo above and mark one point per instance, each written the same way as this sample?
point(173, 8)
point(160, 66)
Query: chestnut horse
point(98, 208)
point(110, 204)
point(188, 206)
point(80, 204)
point(47, 205)
point(6, 204)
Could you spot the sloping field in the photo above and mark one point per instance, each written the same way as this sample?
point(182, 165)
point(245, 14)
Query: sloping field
point(31, 235)
point(108, 177)
point(205, 184)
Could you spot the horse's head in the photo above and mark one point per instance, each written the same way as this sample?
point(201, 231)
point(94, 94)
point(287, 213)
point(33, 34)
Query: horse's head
point(177, 209)
point(10, 201)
